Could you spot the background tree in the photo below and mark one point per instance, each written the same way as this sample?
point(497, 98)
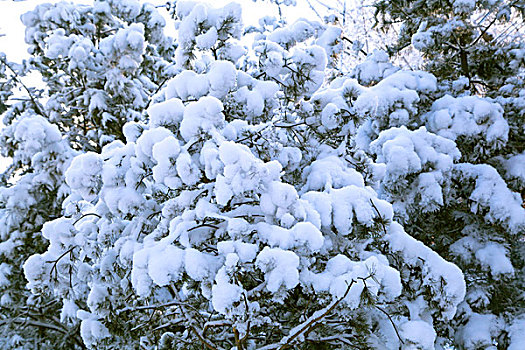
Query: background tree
point(100, 64)
point(475, 50)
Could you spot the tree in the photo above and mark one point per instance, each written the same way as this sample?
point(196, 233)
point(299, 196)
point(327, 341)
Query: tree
point(201, 193)
point(473, 212)
point(100, 65)
point(229, 214)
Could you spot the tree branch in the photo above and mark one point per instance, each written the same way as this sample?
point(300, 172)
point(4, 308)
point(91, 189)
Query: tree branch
point(16, 77)
point(309, 324)
point(34, 324)
point(391, 321)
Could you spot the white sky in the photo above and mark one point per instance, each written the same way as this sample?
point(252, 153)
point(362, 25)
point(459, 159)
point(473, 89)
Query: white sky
point(12, 43)
point(12, 30)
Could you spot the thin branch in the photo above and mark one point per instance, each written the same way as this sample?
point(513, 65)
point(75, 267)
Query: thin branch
point(157, 90)
point(313, 9)
point(379, 215)
point(290, 125)
point(203, 225)
point(202, 339)
point(314, 320)
point(340, 338)
point(238, 342)
point(34, 324)
point(149, 307)
point(351, 42)
point(16, 77)
point(55, 262)
point(218, 323)
point(328, 7)
point(391, 321)
point(84, 215)
point(483, 32)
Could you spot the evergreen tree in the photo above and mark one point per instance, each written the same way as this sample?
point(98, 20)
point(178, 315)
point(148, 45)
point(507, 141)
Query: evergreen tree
point(100, 65)
point(475, 217)
point(232, 216)
point(231, 189)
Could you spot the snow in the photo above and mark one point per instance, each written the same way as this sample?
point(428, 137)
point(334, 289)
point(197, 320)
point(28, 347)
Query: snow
point(352, 202)
point(165, 154)
point(279, 195)
point(375, 68)
point(343, 275)
point(436, 269)
point(329, 117)
point(255, 176)
point(280, 268)
point(246, 252)
point(34, 269)
point(478, 331)
point(91, 329)
point(140, 280)
point(297, 32)
point(126, 47)
point(423, 39)
point(330, 172)
point(197, 264)
point(492, 193)
point(187, 170)
point(222, 78)
point(290, 157)
point(166, 265)
point(242, 172)
point(34, 134)
point(516, 331)
point(97, 296)
point(420, 152)
point(224, 294)
point(464, 6)
point(69, 310)
point(167, 113)
point(207, 40)
point(417, 335)
point(321, 203)
point(127, 8)
point(467, 116)
point(205, 114)
point(83, 175)
point(493, 256)
point(330, 40)
point(122, 201)
point(195, 24)
point(515, 166)
point(301, 234)
point(186, 85)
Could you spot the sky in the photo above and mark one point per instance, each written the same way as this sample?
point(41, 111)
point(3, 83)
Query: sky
point(12, 30)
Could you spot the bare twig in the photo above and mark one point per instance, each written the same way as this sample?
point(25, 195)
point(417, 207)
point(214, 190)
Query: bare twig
point(379, 215)
point(314, 10)
point(16, 77)
point(202, 339)
point(203, 225)
point(55, 262)
point(84, 215)
point(149, 307)
point(308, 325)
point(352, 42)
point(34, 324)
point(391, 321)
